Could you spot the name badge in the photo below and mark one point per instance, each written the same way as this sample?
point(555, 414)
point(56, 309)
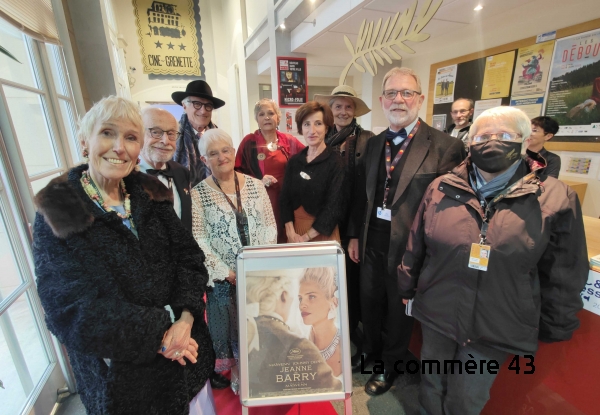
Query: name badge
point(479, 257)
point(384, 214)
point(408, 308)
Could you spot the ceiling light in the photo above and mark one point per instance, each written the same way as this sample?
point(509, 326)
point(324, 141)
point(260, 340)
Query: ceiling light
point(282, 25)
point(478, 7)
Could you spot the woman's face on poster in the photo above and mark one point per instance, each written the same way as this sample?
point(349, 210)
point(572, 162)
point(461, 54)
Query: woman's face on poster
point(314, 304)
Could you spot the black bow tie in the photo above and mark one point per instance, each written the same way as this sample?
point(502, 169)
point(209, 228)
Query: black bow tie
point(390, 135)
point(166, 172)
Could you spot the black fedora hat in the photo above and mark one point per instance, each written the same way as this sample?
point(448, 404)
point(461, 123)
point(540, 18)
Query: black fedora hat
point(198, 89)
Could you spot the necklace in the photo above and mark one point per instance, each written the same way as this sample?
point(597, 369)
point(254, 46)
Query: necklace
point(330, 350)
point(272, 146)
point(94, 193)
point(274, 319)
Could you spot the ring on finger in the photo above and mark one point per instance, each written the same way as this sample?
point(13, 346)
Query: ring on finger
point(178, 354)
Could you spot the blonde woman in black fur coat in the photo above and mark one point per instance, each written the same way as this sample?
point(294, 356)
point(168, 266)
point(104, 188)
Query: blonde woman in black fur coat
point(110, 254)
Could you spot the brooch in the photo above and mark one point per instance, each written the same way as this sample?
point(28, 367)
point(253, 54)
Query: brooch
point(304, 176)
point(261, 156)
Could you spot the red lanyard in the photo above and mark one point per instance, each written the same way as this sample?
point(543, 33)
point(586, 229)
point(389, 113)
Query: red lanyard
point(391, 165)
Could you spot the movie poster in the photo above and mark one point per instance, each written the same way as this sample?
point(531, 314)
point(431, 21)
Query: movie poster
point(531, 70)
point(574, 90)
point(286, 355)
point(293, 88)
point(497, 75)
point(167, 37)
point(445, 81)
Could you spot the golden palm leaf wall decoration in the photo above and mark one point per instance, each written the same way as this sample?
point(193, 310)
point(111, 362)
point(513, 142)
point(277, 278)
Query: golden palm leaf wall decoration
point(376, 42)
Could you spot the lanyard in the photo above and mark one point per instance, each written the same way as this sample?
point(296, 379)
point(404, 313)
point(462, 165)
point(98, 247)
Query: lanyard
point(240, 216)
point(391, 165)
point(488, 210)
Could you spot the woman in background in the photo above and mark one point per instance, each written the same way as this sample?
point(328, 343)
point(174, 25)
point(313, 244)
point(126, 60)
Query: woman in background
point(313, 195)
point(319, 308)
point(264, 154)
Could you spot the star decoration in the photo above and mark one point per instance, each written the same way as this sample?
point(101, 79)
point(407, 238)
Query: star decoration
point(158, 44)
point(170, 45)
point(182, 47)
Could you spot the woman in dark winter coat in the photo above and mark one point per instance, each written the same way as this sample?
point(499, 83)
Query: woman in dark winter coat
point(110, 255)
point(313, 194)
point(495, 261)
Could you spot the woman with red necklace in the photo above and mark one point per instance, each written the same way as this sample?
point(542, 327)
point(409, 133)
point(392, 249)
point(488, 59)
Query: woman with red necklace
point(265, 153)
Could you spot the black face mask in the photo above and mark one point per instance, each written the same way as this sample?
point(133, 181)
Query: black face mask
point(494, 156)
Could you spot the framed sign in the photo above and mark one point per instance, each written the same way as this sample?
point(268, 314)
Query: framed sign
point(293, 321)
point(293, 81)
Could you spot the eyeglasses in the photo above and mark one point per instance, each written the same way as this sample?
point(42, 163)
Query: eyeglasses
point(500, 136)
point(459, 112)
point(158, 133)
point(226, 151)
point(406, 94)
point(208, 106)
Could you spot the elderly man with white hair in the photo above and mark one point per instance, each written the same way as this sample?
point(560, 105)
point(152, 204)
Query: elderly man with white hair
point(229, 210)
point(495, 261)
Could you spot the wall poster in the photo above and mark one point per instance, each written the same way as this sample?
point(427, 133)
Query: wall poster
point(574, 90)
point(284, 292)
point(497, 75)
point(167, 36)
point(439, 122)
point(293, 81)
point(445, 81)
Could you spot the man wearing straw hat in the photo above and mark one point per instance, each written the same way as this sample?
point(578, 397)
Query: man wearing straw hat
point(350, 140)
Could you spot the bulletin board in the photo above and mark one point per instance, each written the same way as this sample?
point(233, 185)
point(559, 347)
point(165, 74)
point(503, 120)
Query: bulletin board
point(469, 83)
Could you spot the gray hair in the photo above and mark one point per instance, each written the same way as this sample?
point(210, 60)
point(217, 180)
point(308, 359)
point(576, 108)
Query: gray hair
point(211, 136)
point(266, 290)
point(403, 72)
point(347, 97)
point(266, 101)
point(324, 277)
point(510, 115)
point(469, 100)
point(109, 108)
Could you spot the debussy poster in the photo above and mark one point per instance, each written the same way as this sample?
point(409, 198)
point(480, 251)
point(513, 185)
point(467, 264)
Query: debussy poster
point(167, 36)
point(574, 89)
point(293, 332)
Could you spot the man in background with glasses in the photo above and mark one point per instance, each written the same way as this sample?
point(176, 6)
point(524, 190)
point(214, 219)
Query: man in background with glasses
point(461, 113)
point(398, 165)
point(198, 103)
point(161, 134)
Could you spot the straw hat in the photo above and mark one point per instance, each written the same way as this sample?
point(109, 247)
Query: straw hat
point(345, 91)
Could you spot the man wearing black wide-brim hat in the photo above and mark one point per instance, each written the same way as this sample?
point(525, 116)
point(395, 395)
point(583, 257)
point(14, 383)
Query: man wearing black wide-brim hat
point(198, 103)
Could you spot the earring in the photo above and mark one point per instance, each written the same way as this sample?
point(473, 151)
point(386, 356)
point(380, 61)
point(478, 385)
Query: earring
point(331, 314)
point(139, 160)
point(85, 155)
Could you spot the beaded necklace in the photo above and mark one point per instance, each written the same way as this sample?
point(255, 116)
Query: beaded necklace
point(94, 193)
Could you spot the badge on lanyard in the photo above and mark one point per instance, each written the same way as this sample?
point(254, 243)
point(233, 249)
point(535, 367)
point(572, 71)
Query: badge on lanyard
point(479, 257)
point(385, 214)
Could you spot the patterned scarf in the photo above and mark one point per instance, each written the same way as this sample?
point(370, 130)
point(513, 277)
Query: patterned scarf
point(187, 152)
point(496, 185)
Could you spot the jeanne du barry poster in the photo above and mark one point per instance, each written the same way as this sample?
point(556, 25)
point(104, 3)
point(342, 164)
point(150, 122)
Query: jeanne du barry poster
point(293, 332)
point(574, 90)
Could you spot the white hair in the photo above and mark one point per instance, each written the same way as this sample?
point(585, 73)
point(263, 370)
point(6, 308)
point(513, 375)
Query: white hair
point(214, 135)
point(510, 115)
point(109, 108)
point(397, 71)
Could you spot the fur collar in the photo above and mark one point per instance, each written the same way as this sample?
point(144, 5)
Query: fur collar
point(68, 210)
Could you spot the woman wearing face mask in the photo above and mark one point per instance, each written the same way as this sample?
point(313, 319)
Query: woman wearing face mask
point(495, 261)
point(319, 307)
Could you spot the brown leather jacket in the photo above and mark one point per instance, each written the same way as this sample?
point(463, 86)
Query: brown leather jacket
point(537, 263)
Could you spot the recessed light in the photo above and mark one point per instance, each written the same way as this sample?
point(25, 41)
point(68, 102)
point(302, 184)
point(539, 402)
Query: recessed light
point(478, 7)
point(282, 26)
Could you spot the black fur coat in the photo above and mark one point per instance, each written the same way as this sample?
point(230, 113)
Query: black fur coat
point(104, 293)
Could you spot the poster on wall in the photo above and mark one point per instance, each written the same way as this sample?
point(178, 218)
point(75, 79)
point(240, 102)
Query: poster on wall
point(439, 122)
point(287, 124)
point(168, 37)
point(532, 69)
point(483, 105)
point(292, 307)
point(445, 81)
point(573, 98)
point(497, 75)
point(293, 80)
